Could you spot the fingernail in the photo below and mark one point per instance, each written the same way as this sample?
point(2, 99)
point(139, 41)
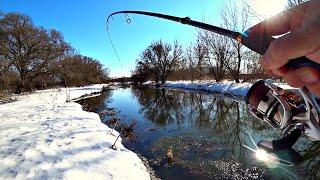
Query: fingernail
point(307, 77)
point(265, 61)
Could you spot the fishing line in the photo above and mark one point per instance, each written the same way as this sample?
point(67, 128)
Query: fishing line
point(228, 91)
point(128, 20)
point(112, 45)
point(271, 157)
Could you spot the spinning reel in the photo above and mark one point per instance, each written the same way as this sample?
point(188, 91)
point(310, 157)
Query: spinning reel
point(295, 112)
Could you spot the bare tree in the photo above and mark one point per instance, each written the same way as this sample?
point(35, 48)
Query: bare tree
point(292, 3)
point(195, 57)
point(216, 53)
point(161, 58)
point(141, 73)
point(78, 70)
point(32, 57)
point(29, 49)
point(190, 61)
point(199, 51)
point(235, 17)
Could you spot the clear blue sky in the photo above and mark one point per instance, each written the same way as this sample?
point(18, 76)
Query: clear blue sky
point(83, 24)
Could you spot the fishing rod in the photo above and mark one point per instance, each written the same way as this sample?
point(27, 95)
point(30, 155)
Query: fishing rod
point(255, 39)
point(280, 108)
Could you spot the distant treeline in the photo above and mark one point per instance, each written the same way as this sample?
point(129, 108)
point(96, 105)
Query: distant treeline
point(32, 57)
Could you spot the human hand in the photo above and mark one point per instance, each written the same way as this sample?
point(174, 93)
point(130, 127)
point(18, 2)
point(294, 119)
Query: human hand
point(303, 23)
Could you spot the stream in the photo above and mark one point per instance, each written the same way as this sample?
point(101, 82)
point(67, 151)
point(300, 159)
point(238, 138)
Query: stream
point(195, 135)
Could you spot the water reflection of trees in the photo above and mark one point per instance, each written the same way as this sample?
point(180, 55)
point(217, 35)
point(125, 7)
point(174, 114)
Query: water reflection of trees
point(159, 106)
point(218, 121)
point(225, 120)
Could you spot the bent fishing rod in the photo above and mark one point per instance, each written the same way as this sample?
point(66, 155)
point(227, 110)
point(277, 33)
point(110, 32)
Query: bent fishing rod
point(255, 39)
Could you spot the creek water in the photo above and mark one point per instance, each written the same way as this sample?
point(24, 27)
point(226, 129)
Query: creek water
point(196, 135)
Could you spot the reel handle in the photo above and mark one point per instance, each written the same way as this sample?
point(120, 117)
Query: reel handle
point(283, 147)
point(285, 142)
point(300, 62)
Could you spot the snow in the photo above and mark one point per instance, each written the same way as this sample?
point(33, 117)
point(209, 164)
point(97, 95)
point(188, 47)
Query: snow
point(226, 87)
point(44, 137)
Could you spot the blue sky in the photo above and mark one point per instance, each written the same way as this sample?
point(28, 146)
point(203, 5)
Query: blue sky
point(83, 24)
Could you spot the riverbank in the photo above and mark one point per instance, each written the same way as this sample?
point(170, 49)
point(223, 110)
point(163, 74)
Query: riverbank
point(225, 87)
point(44, 137)
point(228, 87)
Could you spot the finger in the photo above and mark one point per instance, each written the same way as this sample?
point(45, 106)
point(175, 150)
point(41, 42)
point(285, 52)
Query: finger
point(293, 79)
point(302, 77)
point(315, 55)
point(315, 88)
point(281, 23)
point(280, 71)
point(308, 75)
point(269, 72)
point(290, 46)
point(276, 73)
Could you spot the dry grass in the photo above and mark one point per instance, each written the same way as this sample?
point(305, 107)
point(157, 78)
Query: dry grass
point(1, 95)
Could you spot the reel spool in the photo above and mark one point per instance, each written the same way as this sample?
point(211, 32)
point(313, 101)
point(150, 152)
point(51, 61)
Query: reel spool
point(295, 112)
point(272, 104)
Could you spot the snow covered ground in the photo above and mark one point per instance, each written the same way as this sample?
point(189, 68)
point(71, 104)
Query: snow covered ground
point(228, 87)
point(225, 87)
point(43, 137)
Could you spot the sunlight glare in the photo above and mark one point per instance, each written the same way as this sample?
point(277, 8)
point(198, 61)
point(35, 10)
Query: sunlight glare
point(262, 155)
point(268, 8)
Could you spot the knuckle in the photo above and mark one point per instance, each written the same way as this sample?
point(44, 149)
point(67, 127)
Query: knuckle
point(315, 56)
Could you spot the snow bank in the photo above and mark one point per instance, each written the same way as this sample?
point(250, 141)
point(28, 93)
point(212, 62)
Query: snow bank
point(228, 87)
point(225, 87)
point(43, 137)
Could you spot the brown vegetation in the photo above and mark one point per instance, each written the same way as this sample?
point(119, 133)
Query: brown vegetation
point(159, 60)
point(32, 57)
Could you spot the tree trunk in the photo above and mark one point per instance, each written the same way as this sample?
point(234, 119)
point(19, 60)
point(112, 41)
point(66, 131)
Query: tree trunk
point(192, 74)
point(163, 79)
point(157, 78)
point(239, 63)
point(22, 84)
